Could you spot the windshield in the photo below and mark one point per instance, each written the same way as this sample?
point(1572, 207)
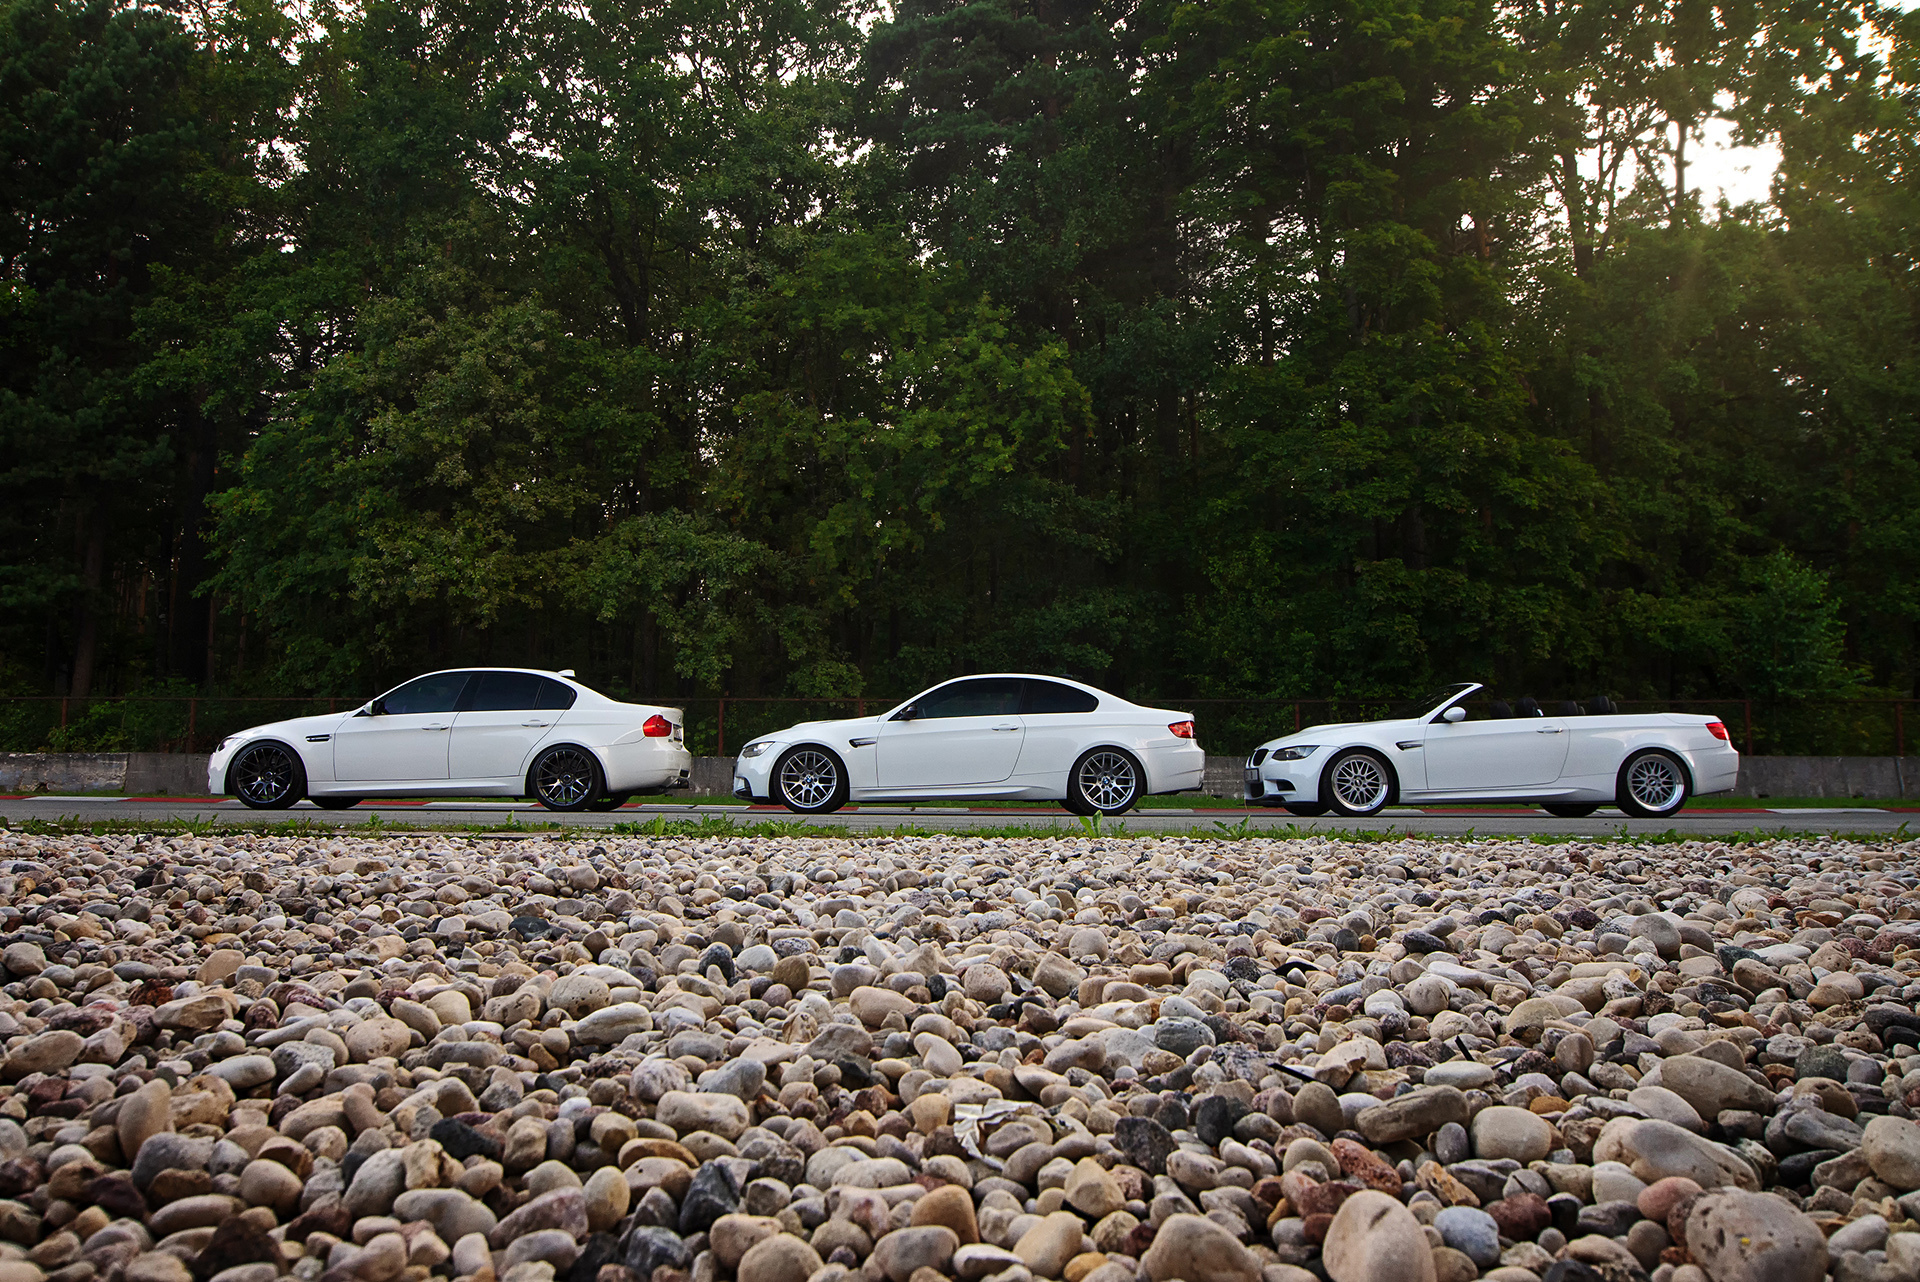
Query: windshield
point(1429, 704)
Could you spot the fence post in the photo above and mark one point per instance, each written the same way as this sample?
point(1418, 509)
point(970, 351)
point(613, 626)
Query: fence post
point(1296, 716)
point(1748, 705)
point(720, 746)
point(193, 714)
point(1899, 728)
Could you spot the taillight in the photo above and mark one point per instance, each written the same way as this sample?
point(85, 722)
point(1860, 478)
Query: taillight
point(1718, 729)
point(1181, 729)
point(657, 727)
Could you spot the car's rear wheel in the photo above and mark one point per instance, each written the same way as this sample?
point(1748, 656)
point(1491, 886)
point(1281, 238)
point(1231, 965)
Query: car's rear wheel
point(335, 803)
point(1104, 781)
point(1652, 785)
point(612, 801)
point(1570, 810)
point(810, 781)
point(267, 776)
point(565, 778)
point(1357, 784)
point(1305, 809)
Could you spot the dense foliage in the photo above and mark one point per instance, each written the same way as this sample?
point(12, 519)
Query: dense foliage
point(1195, 347)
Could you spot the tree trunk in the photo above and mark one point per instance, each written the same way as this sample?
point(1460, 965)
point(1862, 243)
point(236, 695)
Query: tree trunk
point(193, 612)
point(86, 632)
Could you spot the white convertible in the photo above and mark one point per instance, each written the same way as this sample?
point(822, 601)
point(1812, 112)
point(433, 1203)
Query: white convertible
point(487, 732)
point(1571, 760)
point(1005, 735)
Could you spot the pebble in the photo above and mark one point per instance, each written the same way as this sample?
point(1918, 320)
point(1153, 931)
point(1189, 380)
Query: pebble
point(1094, 1059)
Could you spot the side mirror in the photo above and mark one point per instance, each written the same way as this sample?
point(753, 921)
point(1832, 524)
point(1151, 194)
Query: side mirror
point(907, 713)
point(1455, 715)
point(378, 708)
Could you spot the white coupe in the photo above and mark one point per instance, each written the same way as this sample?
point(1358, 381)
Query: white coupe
point(1003, 735)
point(475, 732)
point(1571, 760)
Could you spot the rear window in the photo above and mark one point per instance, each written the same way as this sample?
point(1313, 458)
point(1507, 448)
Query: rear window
point(555, 695)
point(1050, 696)
point(507, 692)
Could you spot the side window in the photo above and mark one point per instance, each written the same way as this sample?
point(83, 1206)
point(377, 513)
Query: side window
point(437, 693)
point(505, 692)
point(555, 696)
point(986, 697)
point(1050, 696)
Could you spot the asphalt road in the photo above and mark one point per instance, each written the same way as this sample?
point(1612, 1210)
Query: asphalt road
point(1447, 822)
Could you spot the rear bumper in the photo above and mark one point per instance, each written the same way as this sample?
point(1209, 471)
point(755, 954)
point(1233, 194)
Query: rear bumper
point(646, 765)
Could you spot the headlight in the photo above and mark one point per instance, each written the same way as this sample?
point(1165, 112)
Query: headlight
point(1299, 752)
point(756, 748)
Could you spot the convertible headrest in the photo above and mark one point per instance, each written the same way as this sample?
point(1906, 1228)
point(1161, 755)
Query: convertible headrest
point(1601, 706)
point(1527, 707)
point(1569, 708)
point(1498, 710)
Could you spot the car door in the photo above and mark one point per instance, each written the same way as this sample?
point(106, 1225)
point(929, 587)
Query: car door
point(1511, 752)
point(962, 733)
point(404, 736)
point(506, 716)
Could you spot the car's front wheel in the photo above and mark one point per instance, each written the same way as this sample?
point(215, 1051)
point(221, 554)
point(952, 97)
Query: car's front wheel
point(612, 801)
point(810, 781)
point(1104, 781)
point(1652, 785)
point(1570, 810)
point(565, 778)
point(267, 776)
point(1357, 784)
point(335, 803)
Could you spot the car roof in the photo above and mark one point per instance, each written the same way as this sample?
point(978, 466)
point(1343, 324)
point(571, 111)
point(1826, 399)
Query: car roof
point(1027, 676)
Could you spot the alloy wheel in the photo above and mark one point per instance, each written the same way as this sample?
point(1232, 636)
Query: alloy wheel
point(565, 778)
point(1654, 782)
point(264, 776)
point(808, 779)
point(1108, 781)
point(1359, 783)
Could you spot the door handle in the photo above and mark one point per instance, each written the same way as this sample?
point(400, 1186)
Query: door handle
point(536, 723)
point(433, 727)
point(1006, 727)
point(1551, 730)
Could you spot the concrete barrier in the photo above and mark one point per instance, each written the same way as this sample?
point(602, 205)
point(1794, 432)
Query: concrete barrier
point(161, 774)
point(138, 774)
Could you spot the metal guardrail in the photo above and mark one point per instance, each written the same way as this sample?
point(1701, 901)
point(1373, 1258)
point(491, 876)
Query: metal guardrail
point(189, 723)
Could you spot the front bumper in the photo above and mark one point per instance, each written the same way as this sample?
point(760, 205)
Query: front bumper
point(753, 776)
point(1269, 782)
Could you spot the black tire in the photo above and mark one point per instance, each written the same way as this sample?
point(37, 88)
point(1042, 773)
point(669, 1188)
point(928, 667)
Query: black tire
point(566, 778)
point(1305, 809)
point(1357, 783)
point(809, 780)
point(1569, 809)
point(267, 776)
point(612, 801)
point(336, 803)
point(1653, 785)
point(1105, 781)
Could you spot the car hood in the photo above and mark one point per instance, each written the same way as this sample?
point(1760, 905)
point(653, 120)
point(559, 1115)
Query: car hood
point(294, 728)
point(1319, 734)
point(820, 729)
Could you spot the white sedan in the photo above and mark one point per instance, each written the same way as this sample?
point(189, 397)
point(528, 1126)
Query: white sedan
point(1571, 760)
point(474, 732)
point(998, 736)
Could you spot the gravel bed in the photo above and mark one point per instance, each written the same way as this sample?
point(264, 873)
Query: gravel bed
point(388, 1059)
